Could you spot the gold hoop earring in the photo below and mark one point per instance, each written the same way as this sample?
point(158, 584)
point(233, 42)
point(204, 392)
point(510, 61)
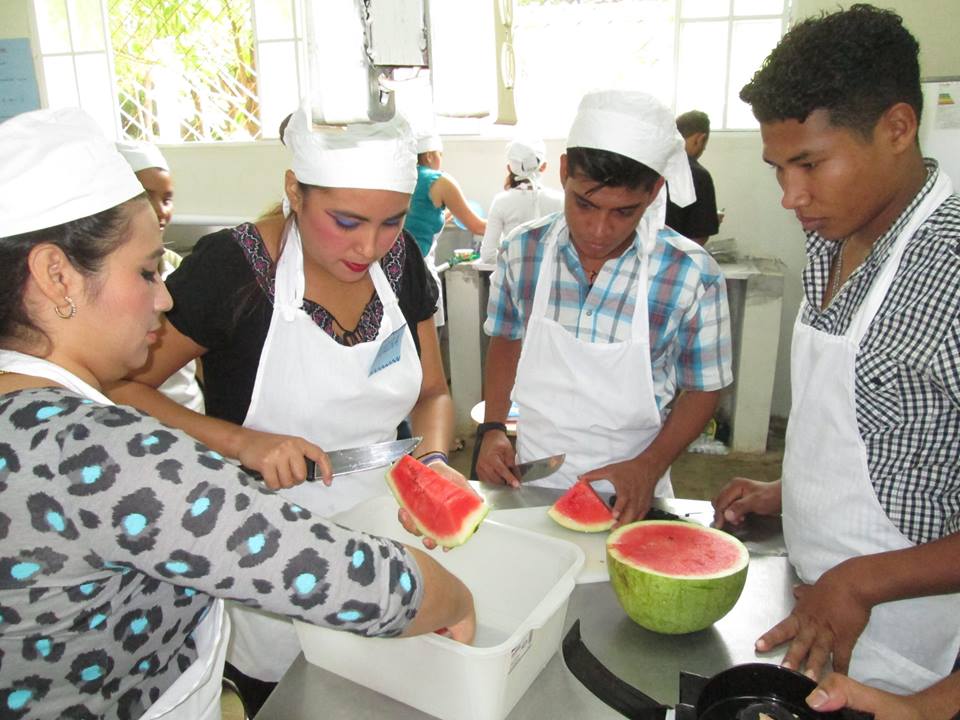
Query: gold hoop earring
point(66, 314)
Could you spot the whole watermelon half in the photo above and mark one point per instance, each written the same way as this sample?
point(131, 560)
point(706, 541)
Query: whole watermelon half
point(673, 576)
point(442, 510)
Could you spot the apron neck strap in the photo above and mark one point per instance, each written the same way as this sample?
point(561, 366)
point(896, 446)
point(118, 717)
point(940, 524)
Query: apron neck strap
point(289, 284)
point(13, 361)
point(640, 325)
point(941, 190)
point(290, 281)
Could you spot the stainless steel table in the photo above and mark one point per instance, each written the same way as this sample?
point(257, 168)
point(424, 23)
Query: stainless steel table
point(649, 661)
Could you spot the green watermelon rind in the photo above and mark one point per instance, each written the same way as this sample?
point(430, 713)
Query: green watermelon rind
point(468, 526)
point(671, 604)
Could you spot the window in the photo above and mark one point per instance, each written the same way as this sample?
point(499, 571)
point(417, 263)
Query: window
point(191, 70)
point(75, 62)
point(173, 71)
point(721, 44)
point(692, 54)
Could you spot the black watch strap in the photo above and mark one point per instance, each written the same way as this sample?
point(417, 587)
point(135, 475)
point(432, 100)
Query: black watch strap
point(484, 427)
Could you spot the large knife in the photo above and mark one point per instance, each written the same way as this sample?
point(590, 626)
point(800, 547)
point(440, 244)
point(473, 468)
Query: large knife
point(538, 469)
point(366, 457)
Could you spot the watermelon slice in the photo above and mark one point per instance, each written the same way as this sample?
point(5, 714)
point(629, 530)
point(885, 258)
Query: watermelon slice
point(581, 509)
point(674, 576)
point(442, 510)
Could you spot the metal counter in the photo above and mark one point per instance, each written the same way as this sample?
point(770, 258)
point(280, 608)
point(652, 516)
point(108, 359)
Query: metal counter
point(649, 661)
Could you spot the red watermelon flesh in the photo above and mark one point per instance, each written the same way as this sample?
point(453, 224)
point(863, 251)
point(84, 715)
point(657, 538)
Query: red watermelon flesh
point(582, 509)
point(678, 549)
point(442, 510)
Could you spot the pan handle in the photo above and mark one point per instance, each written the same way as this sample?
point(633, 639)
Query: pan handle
point(621, 696)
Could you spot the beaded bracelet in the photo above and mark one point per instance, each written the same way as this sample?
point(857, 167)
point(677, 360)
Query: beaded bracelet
point(432, 457)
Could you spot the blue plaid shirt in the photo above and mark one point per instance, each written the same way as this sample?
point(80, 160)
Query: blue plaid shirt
point(687, 299)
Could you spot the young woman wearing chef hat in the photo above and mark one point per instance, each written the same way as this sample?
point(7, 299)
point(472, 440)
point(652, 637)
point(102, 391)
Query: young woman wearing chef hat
point(523, 198)
point(316, 331)
point(118, 534)
point(600, 318)
point(153, 172)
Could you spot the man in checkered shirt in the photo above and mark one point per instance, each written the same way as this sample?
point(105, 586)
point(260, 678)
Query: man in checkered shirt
point(870, 493)
point(612, 330)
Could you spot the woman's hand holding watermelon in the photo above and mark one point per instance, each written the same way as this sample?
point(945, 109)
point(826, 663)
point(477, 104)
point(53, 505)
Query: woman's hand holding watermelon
point(441, 468)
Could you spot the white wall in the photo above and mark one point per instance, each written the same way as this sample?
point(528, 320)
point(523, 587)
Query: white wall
point(244, 179)
point(14, 18)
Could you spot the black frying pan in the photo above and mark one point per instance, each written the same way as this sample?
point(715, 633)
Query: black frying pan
point(747, 692)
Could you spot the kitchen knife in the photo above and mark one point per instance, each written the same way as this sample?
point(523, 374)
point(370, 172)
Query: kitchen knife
point(538, 469)
point(366, 457)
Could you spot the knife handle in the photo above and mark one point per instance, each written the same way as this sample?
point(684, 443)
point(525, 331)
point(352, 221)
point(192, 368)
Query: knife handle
point(311, 470)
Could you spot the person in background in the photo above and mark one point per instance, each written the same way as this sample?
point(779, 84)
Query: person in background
point(870, 491)
point(436, 194)
point(523, 198)
point(120, 536)
point(151, 169)
point(600, 319)
point(316, 331)
point(698, 220)
point(941, 701)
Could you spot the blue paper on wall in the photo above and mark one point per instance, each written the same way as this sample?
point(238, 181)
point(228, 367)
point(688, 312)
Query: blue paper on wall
point(18, 81)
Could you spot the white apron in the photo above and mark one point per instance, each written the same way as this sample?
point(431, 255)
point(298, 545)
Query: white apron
point(195, 695)
point(593, 401)
point(430, 260)
point(335, 396)
point(830, 509)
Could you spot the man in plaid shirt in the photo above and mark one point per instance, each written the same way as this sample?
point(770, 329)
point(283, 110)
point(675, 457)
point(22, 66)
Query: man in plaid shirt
point(612, 330)
point(870, 493)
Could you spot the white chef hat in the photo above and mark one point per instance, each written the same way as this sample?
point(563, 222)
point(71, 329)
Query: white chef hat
point(142, 155)
point(525, 156)
point(637, 125)
point(429, 142)
point(373, 156)
point(56, 166)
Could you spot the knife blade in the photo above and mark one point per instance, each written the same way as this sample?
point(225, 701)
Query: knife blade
point(538, 469)
point(365, 457)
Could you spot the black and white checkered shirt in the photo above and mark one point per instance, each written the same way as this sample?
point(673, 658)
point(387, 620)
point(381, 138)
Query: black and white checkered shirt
point(908, 366)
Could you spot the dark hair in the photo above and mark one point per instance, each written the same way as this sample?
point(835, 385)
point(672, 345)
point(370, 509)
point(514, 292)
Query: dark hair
point(855, 64)
point(514, 182)
point(86, 242)
point(610, 169)
point(693, 122)
point(283, 128)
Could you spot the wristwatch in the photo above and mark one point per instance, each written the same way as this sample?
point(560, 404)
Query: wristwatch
point(485, 427)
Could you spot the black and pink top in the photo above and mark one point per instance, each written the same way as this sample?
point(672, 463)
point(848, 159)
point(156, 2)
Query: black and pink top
point(223, 300)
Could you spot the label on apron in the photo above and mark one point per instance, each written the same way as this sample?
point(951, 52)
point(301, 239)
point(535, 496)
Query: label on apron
point(389, 352)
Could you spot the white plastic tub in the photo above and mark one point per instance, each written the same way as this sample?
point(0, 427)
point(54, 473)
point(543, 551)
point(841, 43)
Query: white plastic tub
point(521, 583)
